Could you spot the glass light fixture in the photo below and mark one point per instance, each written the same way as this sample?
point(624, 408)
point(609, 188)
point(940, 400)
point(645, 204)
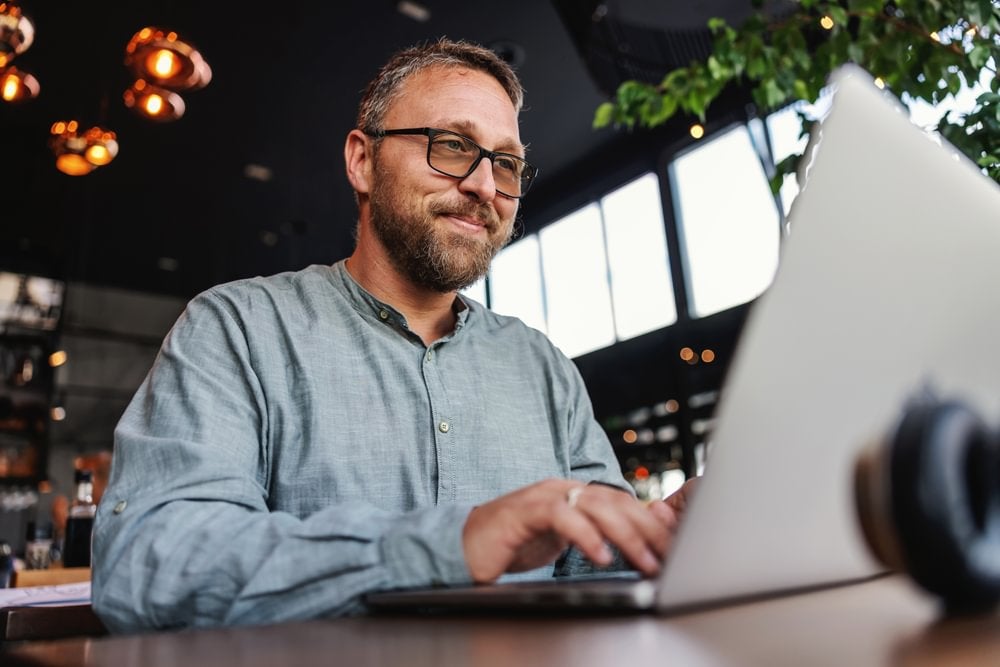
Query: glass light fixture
point(78, 154)
point(164, 59)
point(17, 32)
point(154, 102)
point(17, 85)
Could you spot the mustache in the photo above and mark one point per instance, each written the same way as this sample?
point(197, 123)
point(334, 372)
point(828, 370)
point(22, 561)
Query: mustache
point(482, 212)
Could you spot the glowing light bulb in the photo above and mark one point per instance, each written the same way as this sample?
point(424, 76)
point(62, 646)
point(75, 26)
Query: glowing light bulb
point(697, 131)
point(826, 23)
point(154, 104)
point(11, 86)
point(164, 63)
point(98, 155)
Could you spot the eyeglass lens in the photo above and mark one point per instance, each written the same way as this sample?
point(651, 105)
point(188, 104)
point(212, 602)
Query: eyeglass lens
point(454, 155)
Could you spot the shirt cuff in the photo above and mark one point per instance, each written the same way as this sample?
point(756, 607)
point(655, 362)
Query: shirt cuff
point(425, 548)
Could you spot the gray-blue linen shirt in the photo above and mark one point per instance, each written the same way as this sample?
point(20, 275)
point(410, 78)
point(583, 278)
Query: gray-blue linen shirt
point(295, 446)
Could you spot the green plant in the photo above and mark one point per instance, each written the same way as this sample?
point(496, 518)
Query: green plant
point(919, 49)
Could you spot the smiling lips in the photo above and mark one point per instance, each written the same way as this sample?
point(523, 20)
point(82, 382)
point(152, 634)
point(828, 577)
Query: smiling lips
point(470, 223)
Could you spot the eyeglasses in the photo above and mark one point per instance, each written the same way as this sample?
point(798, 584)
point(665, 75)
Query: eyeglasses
point(456, 155)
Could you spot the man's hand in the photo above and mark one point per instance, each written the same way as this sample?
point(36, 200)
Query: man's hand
point(671, 510)
point(532, 526)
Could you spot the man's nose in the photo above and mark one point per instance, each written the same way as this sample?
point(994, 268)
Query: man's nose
point(480, 182)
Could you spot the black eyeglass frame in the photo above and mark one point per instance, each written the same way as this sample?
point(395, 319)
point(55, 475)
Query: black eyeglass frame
point(528, 173)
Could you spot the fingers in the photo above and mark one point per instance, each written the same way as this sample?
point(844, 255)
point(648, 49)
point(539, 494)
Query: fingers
point(530, 527)
point(664, 513)
point(679, 499)
point(640, 535)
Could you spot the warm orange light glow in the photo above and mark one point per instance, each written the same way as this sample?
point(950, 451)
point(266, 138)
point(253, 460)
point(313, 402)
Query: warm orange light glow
point(77, 154)
point(11, 84)
point(98, 154)
point(826, 23)
point(708, 356)
point(697, 131)
point(630, 437)
point(687, 354)
point(73, 164)
point(167, 59)
point(672, 406)
point(3, 59)
point(153, 104)
point(163, 63)
point(57, 358)
point(17, 86)
point(58, 413)
point(642, 472)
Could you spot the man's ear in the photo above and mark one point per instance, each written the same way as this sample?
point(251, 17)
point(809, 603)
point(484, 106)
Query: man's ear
point(358, 160)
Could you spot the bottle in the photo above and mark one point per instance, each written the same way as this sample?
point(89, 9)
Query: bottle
point(80, 522)
point(6, 564)
point(38, 546)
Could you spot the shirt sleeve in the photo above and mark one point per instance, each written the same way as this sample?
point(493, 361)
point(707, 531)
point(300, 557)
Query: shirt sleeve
point(185, 535)
point(593, 461)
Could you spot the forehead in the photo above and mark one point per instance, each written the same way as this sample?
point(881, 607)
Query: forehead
point(456, 98)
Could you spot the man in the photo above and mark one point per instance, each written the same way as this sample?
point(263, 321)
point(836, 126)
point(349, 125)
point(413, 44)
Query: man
point(306, 438)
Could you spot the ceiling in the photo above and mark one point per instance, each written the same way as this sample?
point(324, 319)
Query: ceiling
point(176, 211)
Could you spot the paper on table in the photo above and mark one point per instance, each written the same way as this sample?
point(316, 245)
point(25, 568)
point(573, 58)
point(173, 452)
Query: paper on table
point(60, 595)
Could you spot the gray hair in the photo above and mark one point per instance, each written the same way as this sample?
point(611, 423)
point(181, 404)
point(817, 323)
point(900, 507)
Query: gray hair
point(385, 87)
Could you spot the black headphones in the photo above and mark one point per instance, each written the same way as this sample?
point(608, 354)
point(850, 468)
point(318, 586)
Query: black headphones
point(928, 498)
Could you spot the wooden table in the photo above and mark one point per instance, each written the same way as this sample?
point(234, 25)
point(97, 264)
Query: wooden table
point(880, 622)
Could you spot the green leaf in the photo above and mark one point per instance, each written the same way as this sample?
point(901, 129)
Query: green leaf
point(715, 24)
point(979, 55)
point(801, 89)
point(773, 94)
point(602, 117)
point(838, 14)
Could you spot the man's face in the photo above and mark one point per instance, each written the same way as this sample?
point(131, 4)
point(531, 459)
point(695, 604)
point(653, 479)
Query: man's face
point(439, 231)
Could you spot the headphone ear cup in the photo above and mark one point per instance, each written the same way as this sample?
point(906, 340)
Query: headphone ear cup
point(944, 502)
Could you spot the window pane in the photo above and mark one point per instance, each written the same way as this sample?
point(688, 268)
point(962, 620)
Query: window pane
point(476, 290)
point(641, 289)
point(727, 221)
point(784, 128)
point(576, 283)
point(516, 283)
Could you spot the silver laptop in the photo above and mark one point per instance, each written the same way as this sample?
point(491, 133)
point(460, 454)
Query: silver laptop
point(886, 285)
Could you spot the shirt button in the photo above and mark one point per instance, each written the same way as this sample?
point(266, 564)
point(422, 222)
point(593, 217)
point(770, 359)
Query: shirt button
point(430, 354)
point(384, 314)
point(120, 507)
point(443, 427)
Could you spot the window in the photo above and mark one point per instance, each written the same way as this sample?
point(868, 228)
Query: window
point(598, 275)
point(727, 222)
point(476, 291)
point(641, 289)
point(516, 283)
point(577, 293)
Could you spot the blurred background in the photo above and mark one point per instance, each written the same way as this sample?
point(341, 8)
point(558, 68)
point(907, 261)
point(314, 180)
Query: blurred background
point(639, 251)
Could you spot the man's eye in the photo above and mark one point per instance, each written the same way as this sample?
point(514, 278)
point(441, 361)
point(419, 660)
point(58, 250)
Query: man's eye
point(507, 164)
point(453, 144)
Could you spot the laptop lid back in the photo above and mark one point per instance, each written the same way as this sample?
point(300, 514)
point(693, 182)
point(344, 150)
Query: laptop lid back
point(887, 284)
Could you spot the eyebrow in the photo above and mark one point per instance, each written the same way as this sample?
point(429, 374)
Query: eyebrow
point(468, 128)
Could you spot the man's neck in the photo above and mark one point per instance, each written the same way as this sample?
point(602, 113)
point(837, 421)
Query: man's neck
point(428, 313)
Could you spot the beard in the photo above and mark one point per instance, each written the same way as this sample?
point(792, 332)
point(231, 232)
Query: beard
point(429, 255)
